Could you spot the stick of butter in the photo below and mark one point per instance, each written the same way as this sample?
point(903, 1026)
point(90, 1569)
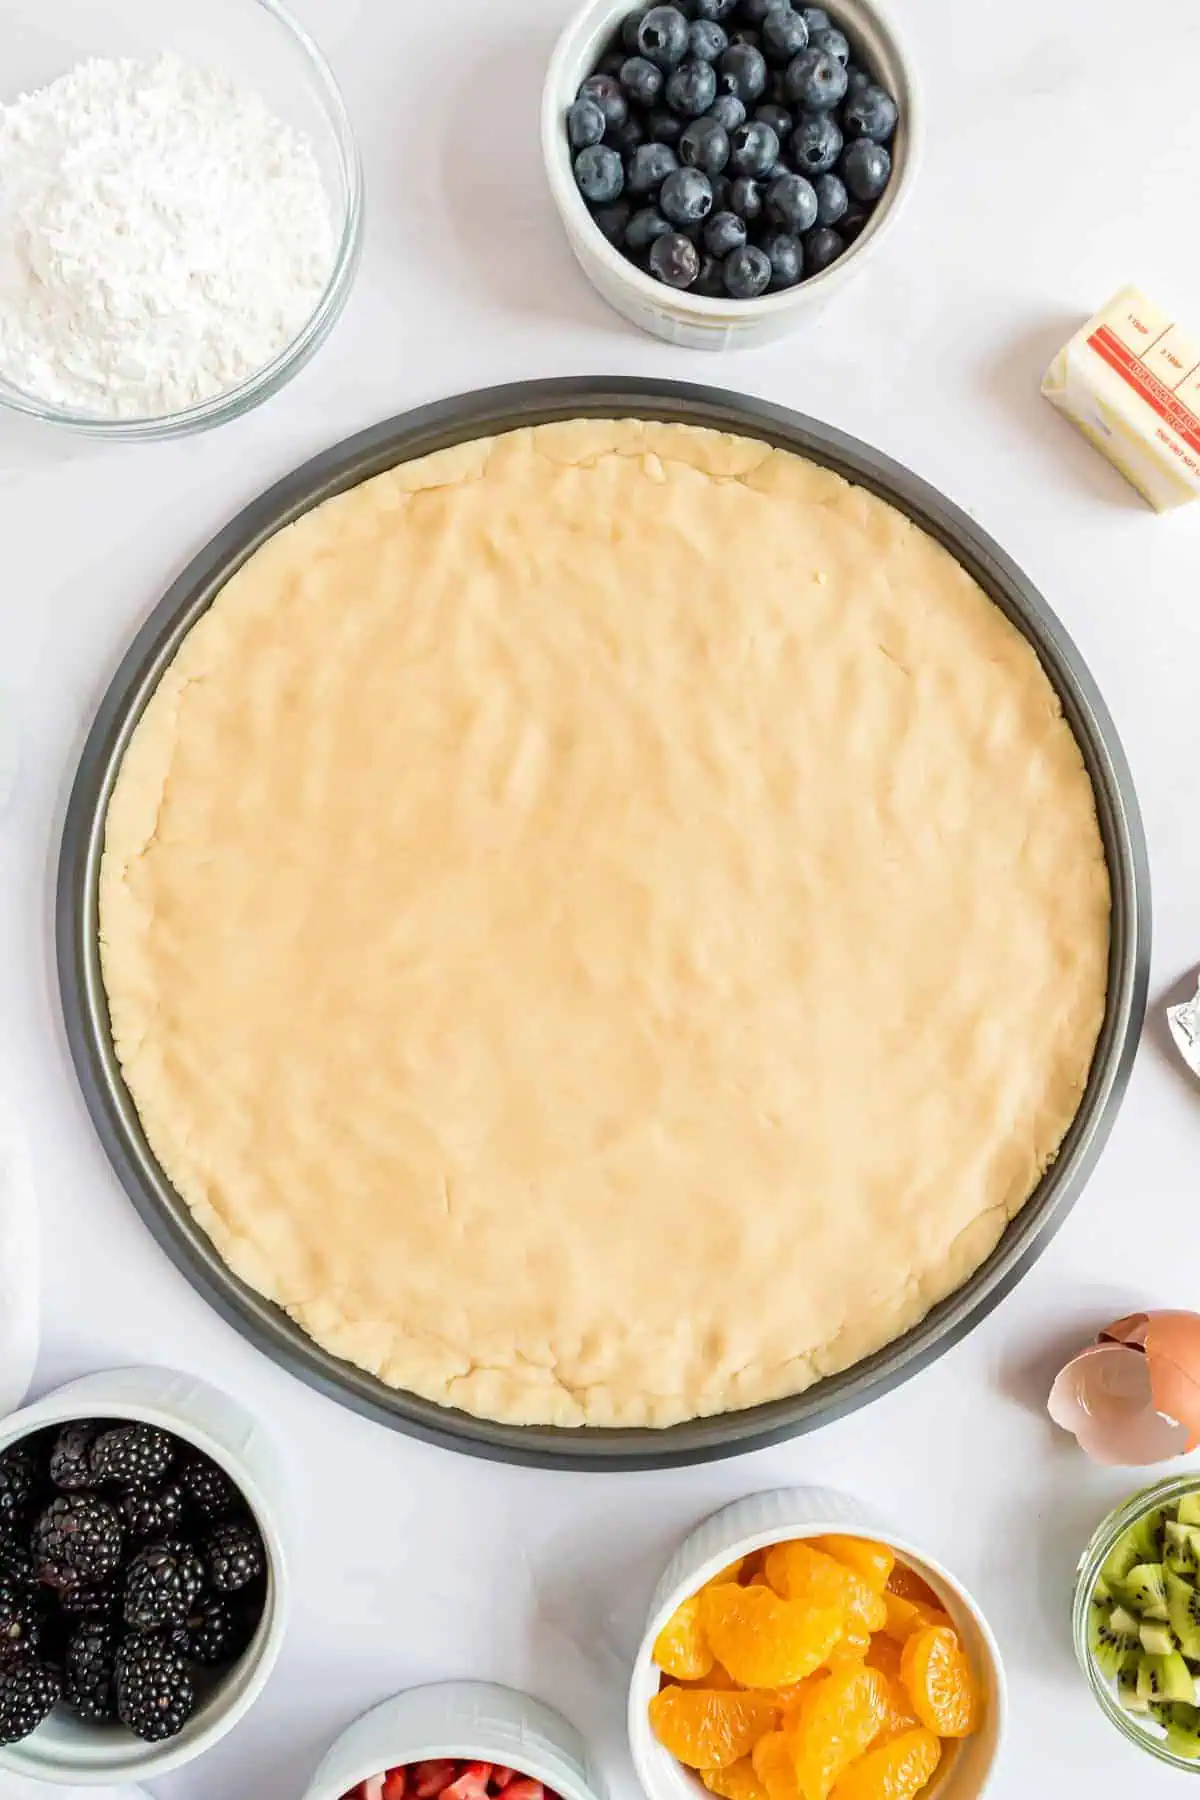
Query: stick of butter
point(1130, 381)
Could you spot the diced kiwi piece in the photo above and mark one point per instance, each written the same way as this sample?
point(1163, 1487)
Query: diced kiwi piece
point(1101, 1591)
point(1183, 1612)
point(1181, 1548)
point(1144, 1590)
point(1183, 1731)
point(1157, 1638)
point(1128, 1692)
point(1139, 1544)
point(1165, 1678)
point(1112, 1632)
point(1188, 1510)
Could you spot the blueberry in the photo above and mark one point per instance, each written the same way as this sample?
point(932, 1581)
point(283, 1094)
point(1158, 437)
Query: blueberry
point(585, 124)
point(866, 169)
point(855, 220)
point(724, 232)
point(691, 88)
point(870, 113)
point(713, 9)
point(728, 111)
point(629, 28)
point(704, 145)
point(613, 221)
point(746, 198)
point(822, 247)
point(858, 78)
point(785, 253)
point(777, 117)
point(706, 40)
point(598, 174)
point(675, 260)
point(641, 79)
point(747, 272)
point(605, 90)
point(665, 126)
point(710, 282)
point(743, 72)
point(627, 137)
point(815, 144)
point(646, 225)
point(722, 187)
point(755, 12)
point(663, 36)
point(792, 202)
point(649, 167)
point(816, 81)
point(754, 149)
point(784, 35)
point(777, 87)
point(833, 42)
point(832, 199)
point(747, 38)
point(610, 63)
point(817, 19)
point(686, 197)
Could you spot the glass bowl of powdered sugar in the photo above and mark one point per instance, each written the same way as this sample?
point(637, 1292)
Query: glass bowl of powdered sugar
point(180, 210)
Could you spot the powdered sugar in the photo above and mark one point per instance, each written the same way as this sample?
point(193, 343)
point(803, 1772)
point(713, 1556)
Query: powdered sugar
point(163, 235)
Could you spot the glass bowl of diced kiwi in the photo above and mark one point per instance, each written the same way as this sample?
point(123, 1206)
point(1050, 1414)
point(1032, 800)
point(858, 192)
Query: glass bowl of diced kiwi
point(1136, 1619)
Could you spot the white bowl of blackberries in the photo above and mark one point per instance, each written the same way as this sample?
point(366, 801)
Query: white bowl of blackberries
point(719, 164)
point(133, 1582)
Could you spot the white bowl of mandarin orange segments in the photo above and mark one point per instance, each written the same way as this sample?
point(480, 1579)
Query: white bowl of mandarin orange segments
point(798, 1649)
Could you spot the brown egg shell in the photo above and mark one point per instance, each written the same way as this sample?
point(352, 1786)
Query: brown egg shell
point(1171, 1344)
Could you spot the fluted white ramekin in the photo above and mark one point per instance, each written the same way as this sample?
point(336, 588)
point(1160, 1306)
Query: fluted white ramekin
point(65, 1750)
point(475, 1720)
point(764, 1519)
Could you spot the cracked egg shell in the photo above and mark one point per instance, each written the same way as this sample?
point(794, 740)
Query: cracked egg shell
point(1133, 1397)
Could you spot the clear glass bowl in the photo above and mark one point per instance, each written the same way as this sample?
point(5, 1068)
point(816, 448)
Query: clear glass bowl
point(260, 43)
point(1090, 1564)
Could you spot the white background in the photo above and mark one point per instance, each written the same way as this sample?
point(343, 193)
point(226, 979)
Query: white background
point(1062, 163)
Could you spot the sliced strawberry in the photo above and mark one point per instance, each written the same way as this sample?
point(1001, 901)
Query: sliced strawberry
point(472, 1784)
point(501, 1777)
point(432, 1778)
point(524, 1789)
point(370, 1789)
point(395, 1784)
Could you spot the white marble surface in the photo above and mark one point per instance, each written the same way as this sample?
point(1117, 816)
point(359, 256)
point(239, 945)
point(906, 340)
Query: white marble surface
point(1061, 164)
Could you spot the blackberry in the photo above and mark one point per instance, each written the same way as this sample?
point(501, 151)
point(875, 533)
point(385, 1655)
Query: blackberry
point(89, 1669)
point(18, 1484)
point(20, 1622)
point(234, 1552)
point(15, 1561)
point(153, 1514)
point(85, 1601)
point(155, 1695)
point(161, 1586)
point(77, 1539)
point(70, 1459)
point(208, 1490)
point(215, 1632)
point(28, 1691)
point(132, 1456)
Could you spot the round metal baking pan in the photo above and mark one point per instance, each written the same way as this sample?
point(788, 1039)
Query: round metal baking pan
point(437, 427)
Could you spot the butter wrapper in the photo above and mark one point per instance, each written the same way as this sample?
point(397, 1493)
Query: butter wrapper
point(1185, 1029)
point(1130, 382)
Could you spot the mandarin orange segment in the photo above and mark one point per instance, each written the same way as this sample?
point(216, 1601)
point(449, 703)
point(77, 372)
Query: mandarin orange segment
point(680, 1646)
point(874, 1562)
point(940, 1682)
point(900, 1715)
point(791, 1696)
point(751, 1565)
point(838, 1721)
point(766, 1642)
point(730, 1572)
point(717, 1678)
point(911, 1586)
point(710, 1728)
point(855, 1642)
point(884, 1655)
point(799, 1571)
point(775, 1766)
point(896, 1770)
point(906, 1616)
point(737, 1782)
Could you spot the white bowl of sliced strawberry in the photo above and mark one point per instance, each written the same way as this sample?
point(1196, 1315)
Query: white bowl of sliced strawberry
point(458, 1740)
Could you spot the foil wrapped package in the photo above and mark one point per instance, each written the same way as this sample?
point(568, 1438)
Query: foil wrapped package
point(1184, 1021)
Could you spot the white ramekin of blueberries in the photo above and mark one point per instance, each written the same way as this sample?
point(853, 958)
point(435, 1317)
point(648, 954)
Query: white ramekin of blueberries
point(141, 1576)
point(721, 165)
